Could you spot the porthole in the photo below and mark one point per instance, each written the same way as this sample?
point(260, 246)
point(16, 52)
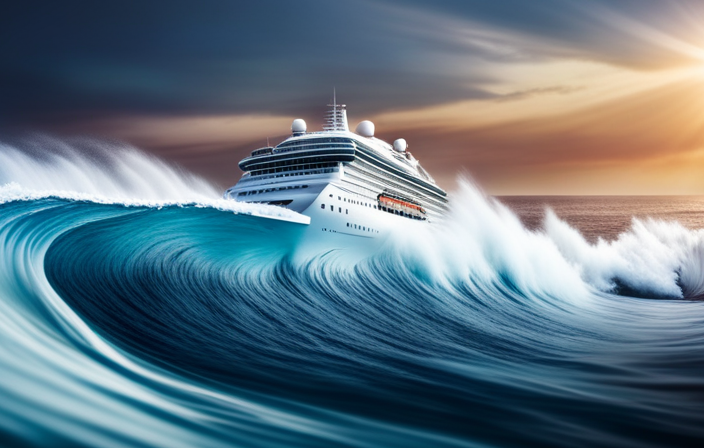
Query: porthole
point(322, 206)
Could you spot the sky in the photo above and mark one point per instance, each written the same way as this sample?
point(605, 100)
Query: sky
point(527, 97)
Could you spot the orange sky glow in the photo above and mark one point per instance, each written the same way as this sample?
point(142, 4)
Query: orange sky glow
point(600, 100)
point(605, 130)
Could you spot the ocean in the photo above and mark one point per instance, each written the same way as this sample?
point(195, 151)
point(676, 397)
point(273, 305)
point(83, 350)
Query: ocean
point(137, 308)
point(607, 217)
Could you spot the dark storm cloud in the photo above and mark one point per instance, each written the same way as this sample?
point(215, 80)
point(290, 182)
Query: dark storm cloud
point(208, 57)
point(65, 60)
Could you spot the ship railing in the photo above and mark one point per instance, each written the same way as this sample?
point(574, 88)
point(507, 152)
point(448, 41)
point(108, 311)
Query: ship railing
point(310, 172)
point(263, 151)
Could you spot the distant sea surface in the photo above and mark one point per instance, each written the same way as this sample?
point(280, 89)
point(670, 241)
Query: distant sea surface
point(607, 216)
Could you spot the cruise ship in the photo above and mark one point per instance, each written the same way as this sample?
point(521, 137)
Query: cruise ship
point(353, 186)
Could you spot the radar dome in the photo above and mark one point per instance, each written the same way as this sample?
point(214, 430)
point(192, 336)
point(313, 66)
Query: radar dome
point(400, 145)
point(298, 126)
point(365, 128)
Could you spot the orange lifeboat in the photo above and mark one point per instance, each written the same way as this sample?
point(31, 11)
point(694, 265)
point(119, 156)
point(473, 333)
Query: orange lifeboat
point(395, 204)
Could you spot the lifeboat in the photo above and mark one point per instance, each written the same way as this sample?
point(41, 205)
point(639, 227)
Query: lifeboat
point(400, 206)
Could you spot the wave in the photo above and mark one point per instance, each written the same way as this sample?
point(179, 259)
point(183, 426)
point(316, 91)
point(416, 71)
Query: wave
point(655, 258)
point(113, 174)
point(155, 313)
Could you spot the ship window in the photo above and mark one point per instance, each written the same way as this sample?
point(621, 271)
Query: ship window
point(348, 224)
point(338, 198)
point(355, 226)
point(332, 208)
point(305, 186)
point(375, 207)
point(347, 211)
point(340, 209)
point(322, 206)
point(330, 195)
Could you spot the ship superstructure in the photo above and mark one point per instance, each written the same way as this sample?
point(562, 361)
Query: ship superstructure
point(348, 183)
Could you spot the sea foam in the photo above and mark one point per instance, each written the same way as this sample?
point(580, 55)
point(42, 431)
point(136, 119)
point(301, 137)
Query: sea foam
point(113, 173)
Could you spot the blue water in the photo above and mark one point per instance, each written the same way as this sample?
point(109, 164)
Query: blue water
point(138, 309)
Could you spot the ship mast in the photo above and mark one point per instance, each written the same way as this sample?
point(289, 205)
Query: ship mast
point(336, 118)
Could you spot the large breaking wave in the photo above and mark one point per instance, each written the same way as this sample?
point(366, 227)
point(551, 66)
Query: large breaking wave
point(139, 308)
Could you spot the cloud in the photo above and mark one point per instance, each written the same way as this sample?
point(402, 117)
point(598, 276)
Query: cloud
point(506, 87)
point(638, 34)
point(529, 93)
point(627, 145)
point(275, 56)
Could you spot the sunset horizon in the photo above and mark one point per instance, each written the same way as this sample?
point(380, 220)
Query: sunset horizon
point(553, 97)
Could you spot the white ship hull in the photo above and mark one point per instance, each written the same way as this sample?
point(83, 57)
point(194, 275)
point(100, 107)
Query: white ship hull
point(343, 221)
point(352, 226)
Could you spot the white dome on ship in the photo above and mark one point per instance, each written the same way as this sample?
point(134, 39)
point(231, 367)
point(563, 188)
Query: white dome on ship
point(365, 128)
point(400, 145)
point(298, 126)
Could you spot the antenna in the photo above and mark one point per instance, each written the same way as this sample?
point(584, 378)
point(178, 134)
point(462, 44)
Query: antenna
point(267, 142)
point(336, 119)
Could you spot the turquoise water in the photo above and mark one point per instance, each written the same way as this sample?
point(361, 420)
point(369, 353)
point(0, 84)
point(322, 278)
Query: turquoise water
point(138, 309)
